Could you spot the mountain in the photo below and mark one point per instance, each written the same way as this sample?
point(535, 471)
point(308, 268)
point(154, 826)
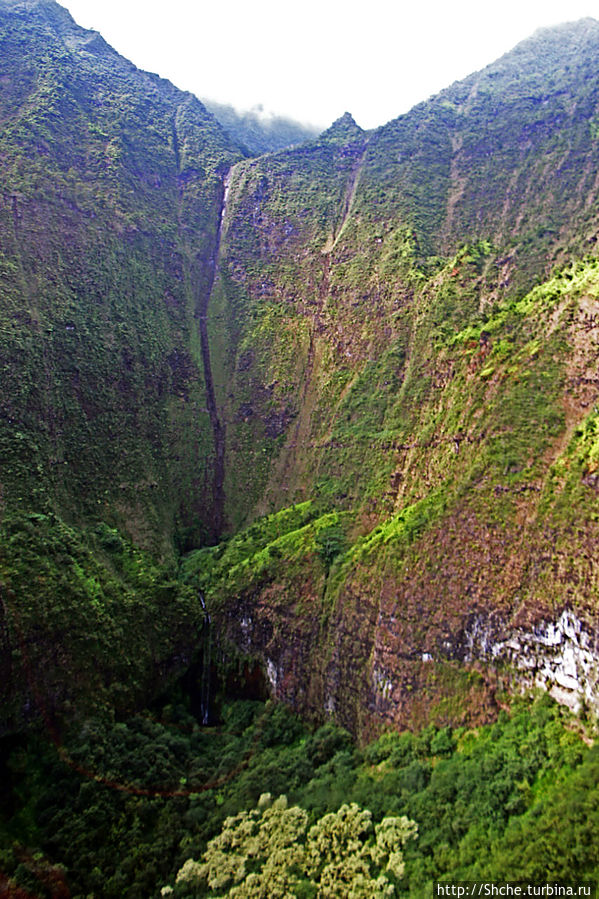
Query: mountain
point(353, 380)
point(112, 185)
point(410, 319)
point(259, 132)
point(318, 426)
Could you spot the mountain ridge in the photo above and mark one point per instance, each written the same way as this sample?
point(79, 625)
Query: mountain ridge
point(259, 134)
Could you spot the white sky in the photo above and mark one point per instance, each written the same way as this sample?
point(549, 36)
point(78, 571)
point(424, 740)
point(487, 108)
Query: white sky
point(315, 60)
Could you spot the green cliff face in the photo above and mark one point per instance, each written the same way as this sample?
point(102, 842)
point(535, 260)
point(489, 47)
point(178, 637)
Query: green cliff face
point(322, 423)
point(410, 319)
point(366, 364)
point(112, 185)
point(377, 250)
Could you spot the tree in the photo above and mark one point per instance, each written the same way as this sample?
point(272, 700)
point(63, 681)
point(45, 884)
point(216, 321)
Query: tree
point(269, 853)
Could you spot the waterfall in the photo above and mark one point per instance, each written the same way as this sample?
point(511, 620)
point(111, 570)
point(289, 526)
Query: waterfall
point(206, 288)
point(205, 677)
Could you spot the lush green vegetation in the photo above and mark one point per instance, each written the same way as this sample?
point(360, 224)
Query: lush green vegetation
point(293, 538)
point(269, 851)
point(113, 186)
point(118, 808)
point(131, 624)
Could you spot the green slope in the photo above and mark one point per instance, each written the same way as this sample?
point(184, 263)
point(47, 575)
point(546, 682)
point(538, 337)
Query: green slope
point(112, 186)
point(392, 359)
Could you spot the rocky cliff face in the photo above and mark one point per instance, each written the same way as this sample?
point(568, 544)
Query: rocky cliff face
point(386, 343)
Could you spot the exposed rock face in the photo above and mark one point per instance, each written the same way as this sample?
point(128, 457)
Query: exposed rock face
point(560, 656)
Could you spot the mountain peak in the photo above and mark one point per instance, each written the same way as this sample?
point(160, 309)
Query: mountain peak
point(570, 43)
point(343, 129)
point(59, 20)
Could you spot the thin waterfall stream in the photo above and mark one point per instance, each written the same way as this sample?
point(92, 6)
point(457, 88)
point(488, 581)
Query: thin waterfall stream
point(218, 426)
point(206, 659)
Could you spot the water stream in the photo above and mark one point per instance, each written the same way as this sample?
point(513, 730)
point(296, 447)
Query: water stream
point(218, 427)
point(206, 659)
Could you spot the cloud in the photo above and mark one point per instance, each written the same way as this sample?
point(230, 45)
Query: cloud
point(314, 61)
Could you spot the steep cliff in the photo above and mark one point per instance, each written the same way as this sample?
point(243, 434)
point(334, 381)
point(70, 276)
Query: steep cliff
point(411, 318)
point(110, 209)
point(322, 423)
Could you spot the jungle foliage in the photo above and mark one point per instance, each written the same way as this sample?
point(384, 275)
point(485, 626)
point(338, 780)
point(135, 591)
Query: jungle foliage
point(119, 807)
